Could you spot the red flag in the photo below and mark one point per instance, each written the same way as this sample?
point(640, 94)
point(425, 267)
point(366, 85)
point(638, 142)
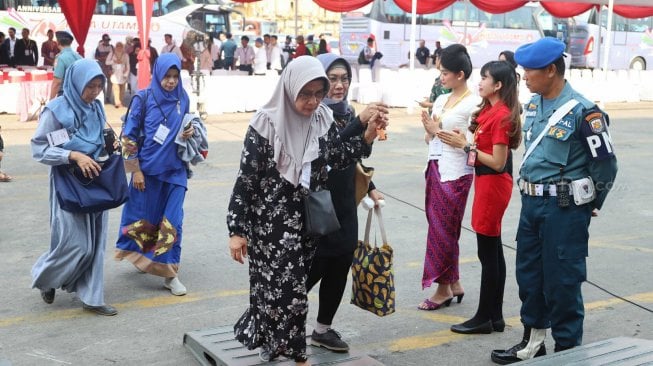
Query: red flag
point(143, 9)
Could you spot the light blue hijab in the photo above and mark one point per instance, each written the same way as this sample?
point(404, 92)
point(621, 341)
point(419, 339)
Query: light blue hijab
point(85, 121)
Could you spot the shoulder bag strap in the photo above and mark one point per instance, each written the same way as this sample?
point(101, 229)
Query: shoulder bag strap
point(552, 120)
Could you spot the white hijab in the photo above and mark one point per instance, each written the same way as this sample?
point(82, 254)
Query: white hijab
point(286, 129)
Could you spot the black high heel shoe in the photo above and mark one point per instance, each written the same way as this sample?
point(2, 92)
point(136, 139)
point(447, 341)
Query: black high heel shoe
point(459, 297)
point(466, 328)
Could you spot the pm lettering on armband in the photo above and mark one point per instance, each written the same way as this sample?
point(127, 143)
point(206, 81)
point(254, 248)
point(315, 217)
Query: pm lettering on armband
point(599, 141)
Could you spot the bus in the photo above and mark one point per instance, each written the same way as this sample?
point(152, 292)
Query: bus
point(117, 18)
point(631, 43)
point(484, 34)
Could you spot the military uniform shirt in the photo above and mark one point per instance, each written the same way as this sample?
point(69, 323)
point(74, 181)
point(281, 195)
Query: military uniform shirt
point(63, 60)
point(579, 143)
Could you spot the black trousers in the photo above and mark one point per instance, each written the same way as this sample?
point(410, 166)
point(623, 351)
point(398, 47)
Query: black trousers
point(493, 278)
point(333, 272)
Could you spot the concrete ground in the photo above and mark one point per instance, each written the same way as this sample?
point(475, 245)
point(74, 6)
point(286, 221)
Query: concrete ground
point(149, 327)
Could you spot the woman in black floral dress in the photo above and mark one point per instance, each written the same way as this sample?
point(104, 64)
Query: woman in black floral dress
point(288, 145)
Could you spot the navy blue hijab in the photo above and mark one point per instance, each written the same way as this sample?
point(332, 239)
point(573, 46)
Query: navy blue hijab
point(341, 109)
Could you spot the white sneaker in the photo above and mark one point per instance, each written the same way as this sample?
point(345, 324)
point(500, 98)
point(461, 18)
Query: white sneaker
point(175, 286)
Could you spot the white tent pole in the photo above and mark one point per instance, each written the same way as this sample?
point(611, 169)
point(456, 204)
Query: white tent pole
point(608, 39)
point(411, 53)
point(296, 16)
point(413, 31)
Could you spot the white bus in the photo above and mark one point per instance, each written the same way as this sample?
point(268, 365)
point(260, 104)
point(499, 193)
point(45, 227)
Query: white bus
point(116, 18)
point(484, 34)
point(631, 46)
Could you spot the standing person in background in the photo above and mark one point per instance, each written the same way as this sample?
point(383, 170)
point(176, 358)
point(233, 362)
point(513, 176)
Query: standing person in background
point(3, 60)
point(26, 50)
point(62, 62)
point(206, 61)
point(268, 48)
point(322, 47)
point(301, 49)
point(276, 57)
point(154, 54)
point(311, 46)
point(171, 47)
point(436, 54)
point(119, 62)
point(288, 50)
point(448, 180)
point(102, 51)
point(335, 251)
point(150, 233)
point(260, 57)
point(49, 49)
point(497, 130)
point(8, 47)
point(215, 50)
point(422, 53)
point(245, 56)
point(229, 49)
point(75, 259)
point(188, 53)
point(133, 65)
point(565, 176)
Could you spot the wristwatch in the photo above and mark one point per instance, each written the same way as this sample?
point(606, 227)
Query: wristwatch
point(467, 148)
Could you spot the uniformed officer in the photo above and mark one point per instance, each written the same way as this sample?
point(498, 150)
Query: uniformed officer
point(62, 61)
point(567, 171)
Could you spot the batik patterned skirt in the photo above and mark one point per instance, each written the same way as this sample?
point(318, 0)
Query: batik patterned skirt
point(150, 229)
point(445, 207)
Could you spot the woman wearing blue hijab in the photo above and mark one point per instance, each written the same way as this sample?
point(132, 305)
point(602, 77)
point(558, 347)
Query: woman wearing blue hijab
point(151, 226)
point(70, 130)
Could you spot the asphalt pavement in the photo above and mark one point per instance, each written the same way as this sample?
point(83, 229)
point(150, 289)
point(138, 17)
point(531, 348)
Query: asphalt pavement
point(151, 322)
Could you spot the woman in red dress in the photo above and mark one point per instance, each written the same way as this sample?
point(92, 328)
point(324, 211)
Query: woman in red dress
point(497, 129)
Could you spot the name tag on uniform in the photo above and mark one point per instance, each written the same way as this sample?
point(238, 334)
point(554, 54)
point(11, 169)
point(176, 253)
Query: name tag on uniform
point(305, 179)
point(58, 137)
point(530, 113)
point(161, 134)
point(28, 52)
point(435, 149)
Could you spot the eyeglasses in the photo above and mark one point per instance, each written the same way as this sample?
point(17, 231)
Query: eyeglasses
point(334, 80)
point(306, 97)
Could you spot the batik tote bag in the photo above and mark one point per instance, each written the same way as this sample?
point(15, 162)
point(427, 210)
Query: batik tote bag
point(373, 285)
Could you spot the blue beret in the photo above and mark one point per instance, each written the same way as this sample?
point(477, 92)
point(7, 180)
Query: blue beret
point(64, 35)
point(540, 54)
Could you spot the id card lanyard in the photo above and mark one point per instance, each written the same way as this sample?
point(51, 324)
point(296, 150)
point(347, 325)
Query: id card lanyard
point(163, 131)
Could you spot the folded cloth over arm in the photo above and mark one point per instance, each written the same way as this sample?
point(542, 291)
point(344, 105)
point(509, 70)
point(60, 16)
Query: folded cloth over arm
point(194, 149)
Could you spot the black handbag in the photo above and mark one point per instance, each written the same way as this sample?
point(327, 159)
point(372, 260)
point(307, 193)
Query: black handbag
point(79, 194)
point(320, 215)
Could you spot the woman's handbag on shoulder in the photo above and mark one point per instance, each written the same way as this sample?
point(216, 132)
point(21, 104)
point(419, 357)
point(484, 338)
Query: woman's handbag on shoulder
point(320, 215)
point(373, 284)
point(362, 179)
point(79, 194)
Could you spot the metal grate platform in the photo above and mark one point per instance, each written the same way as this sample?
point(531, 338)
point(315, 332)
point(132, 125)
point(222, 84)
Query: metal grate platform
point(213, 347)
point(620, 351)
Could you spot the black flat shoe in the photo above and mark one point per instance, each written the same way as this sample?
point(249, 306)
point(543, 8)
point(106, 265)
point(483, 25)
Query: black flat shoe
point(48, 295)
point(483, 328)
point(106, 310)
point(498, 325)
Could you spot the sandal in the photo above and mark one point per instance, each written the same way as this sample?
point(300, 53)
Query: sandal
point(429, 305)
point(5, 178)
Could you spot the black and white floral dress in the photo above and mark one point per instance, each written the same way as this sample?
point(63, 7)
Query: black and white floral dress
point(268, 211)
